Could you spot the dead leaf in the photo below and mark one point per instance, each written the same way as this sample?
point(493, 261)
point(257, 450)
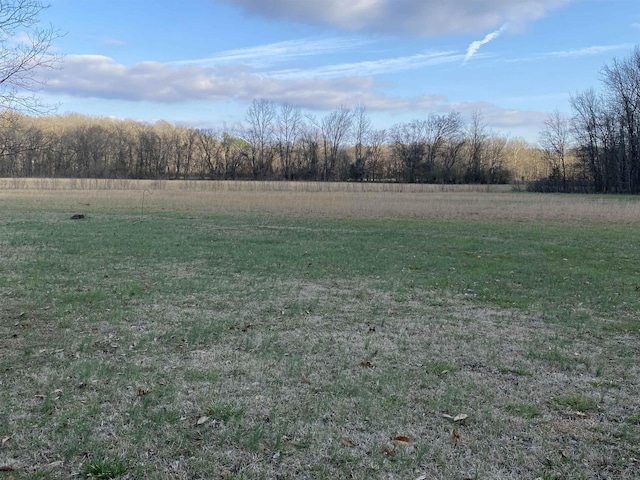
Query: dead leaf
point(387, 452)
point(581, 415)
point(455, 436)
point(448, 417)
point(202, 420)
point(564, 454)
point(461, 417)
point(142, 392)
point(57, 463)
point(347, 442)
point(6, 439)
point(402, 441)
point(248, 326)
point(366, 364)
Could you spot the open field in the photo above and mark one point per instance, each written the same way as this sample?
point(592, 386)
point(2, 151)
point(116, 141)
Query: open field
point(317, 331)
point(334, 200)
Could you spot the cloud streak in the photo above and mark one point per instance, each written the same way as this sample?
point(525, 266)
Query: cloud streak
point(475, 46)
point(373, 67)
point(265, 55)
point(588, 51)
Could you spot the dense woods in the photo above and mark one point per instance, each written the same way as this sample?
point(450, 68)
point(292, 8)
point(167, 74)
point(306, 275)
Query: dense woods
point(274, 142)
point(598, 148)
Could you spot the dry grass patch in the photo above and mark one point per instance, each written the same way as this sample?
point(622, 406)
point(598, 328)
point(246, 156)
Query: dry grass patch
point(336, 200)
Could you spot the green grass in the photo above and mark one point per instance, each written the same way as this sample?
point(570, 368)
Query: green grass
point(118, 335)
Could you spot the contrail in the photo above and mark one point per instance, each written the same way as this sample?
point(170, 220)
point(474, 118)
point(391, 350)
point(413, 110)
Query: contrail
point(475, 46)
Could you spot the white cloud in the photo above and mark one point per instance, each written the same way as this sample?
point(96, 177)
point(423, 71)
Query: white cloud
point(475, 46)
point(95, 76)
point(405, 17)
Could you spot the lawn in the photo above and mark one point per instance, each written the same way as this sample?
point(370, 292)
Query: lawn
point(241, 332)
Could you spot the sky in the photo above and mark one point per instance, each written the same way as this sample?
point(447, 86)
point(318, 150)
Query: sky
point(200, 63)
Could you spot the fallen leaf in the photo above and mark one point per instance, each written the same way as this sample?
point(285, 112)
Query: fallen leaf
point(366, 364)
point(6, 439)
point(455, 436)
point(202, 419)
point(57, 463)
point(402, 441)
point(564, 454)
point(387, 452)
point(142, 392)
point(581, 415)
point(448, 417)
point(461, 417)
point(347, 442)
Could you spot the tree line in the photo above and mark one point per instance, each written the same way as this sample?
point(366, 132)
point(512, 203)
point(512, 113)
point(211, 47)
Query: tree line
point(274, 142)
point(597, 149)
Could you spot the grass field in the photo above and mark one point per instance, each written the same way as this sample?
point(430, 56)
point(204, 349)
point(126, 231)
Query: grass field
point(283, 331)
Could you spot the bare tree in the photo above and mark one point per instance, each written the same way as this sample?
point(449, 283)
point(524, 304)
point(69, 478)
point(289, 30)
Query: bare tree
point(588, 111)
point(376, 150)
point(309, 166)
point(409, 148)
point(476, 143)
point(554, 140)
point(622, 80)
point(259, 134)
point(361, 132)
point(288, 130)
point(440, 129)
point(24, 51)
point(335, 128)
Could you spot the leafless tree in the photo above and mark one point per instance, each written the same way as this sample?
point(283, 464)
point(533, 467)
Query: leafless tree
point(376, 150)
point(361, 132)
point(409, 148)
point(24, 52)
point(310, 139)
point(288, 130)
point(476, 138)
point(335, 128)
point(440, 130)
point(554, 140)
point(259, 134)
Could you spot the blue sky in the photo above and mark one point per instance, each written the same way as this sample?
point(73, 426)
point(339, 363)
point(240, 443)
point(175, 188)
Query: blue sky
point(201, 62)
